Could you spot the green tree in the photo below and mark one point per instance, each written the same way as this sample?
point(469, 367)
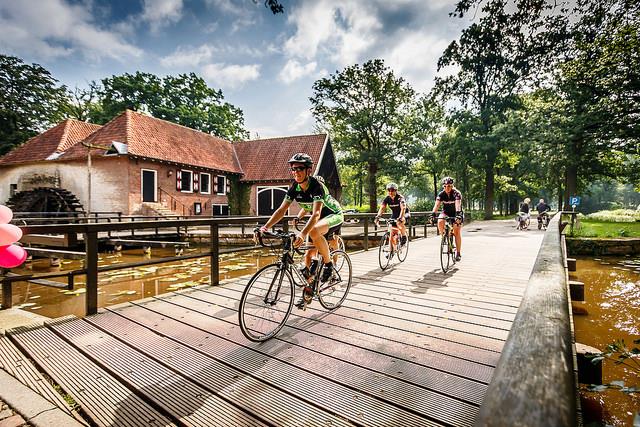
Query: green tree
point(30, 101)
point(184, 99)
point(600, 87)
point(510, 46)
point(366, 108)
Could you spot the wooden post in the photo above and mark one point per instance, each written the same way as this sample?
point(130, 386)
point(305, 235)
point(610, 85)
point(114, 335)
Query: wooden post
point(588, 372)
point(365, 244)
point(7, 301)
point(576, 290)
point(425, 227)
point(215, 270)
point(91, 248)
point(571, 264)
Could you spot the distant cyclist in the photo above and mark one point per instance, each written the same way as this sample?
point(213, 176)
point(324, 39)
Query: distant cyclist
point(399, 209)
point(451, 200)
point(312, 196)
point(543, 213)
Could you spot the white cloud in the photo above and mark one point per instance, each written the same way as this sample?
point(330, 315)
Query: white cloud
point(53, 28)
point(188, 57)
point(415, 56)
point(346, 29)
point(159, 13)
point(293, 71)
point(230, 76)
point(302, 123)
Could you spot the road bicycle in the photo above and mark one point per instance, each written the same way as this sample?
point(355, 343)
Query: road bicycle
point(268, 299)
point(523, 221)
point(391, 244)
point(447, 245)
point(543, 220)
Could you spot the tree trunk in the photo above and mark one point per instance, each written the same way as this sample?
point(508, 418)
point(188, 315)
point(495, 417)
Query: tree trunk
point(571, 188)
point(560, 194)
point(435, 185)
point(488, 191)
point(371, 188)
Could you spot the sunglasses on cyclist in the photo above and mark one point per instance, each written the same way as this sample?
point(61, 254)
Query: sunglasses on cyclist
point(298, 168)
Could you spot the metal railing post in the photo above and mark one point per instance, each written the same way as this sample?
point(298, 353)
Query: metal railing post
point(215, 255)
point(91, 248)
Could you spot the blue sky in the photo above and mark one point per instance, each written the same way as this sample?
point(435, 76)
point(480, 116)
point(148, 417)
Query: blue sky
point(265, 64)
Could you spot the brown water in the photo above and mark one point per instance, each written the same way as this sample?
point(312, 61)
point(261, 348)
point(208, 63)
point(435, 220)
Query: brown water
point(115, 287)
point(612, 294)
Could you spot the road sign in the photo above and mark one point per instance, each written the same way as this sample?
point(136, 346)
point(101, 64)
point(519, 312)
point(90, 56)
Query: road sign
point(574, 200)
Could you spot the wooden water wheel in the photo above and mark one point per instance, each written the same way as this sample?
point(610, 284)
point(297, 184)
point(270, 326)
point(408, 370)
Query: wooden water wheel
point(45, 199)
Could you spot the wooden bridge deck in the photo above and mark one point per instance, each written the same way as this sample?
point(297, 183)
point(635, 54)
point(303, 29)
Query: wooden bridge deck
point(410, 347)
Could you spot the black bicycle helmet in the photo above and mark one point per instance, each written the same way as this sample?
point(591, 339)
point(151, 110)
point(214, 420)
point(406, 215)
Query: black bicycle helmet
point(392, 186)
point(303, 158)
point(447, 180)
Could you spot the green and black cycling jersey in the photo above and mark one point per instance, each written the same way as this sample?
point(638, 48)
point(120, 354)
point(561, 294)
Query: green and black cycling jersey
point(316, 192)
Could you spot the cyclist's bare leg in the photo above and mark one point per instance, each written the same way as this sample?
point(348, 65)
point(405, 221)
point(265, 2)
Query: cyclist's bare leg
point(441, 226)
point(402, 226)
point(457, 228)
point(317, 235)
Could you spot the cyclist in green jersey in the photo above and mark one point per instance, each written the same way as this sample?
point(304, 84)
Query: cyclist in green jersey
point(312, 196)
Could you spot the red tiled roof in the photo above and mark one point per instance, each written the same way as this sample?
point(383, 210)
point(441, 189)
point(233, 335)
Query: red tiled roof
point(266, 159)
point(158, 139)
point(57, 139)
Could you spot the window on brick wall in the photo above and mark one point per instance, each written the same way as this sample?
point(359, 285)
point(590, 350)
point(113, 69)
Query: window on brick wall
point(186, 181)
point(221, 185)
point(205, 183)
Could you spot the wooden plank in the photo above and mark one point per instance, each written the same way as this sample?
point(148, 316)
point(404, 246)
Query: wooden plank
point(432, 339)
point(152, 243)
point(352, 393)
point(55, 253)
point(45, 282)
point(175, 394)
point(437, 371)
point(253, 395)
point(19, 366)
point(99, 395)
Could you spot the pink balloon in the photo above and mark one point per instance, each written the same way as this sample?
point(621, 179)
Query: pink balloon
point(9, 234)
point(5, 214)
point(12, 256)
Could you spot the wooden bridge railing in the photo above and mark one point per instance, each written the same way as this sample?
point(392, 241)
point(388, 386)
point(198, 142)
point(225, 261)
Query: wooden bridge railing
point(92, 230)
point(534, 382)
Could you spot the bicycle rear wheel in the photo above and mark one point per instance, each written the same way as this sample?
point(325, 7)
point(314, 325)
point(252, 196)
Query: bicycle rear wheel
point(445, 254)
point(403, 250)
point(266, 303)
point(332, 293)
point(384, 251)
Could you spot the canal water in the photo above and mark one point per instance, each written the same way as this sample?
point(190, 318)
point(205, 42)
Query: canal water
point(612, 294)
point(118, 286)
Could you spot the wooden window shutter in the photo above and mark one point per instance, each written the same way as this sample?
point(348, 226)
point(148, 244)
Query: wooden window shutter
point(179, 180)
point(196, 177)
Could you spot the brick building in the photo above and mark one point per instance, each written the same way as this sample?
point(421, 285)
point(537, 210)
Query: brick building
point(143, 165)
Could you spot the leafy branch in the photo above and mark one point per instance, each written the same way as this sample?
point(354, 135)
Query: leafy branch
point(619, 354)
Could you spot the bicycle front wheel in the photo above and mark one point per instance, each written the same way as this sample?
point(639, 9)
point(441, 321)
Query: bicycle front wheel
point(332, 293)
point(266, 303)
point(445, 253)
point(384, 251)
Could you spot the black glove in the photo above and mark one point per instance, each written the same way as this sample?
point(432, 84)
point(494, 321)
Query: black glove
point(459, 216)
point(432, 218)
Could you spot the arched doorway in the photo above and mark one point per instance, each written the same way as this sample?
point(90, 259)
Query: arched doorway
point(269, 199)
